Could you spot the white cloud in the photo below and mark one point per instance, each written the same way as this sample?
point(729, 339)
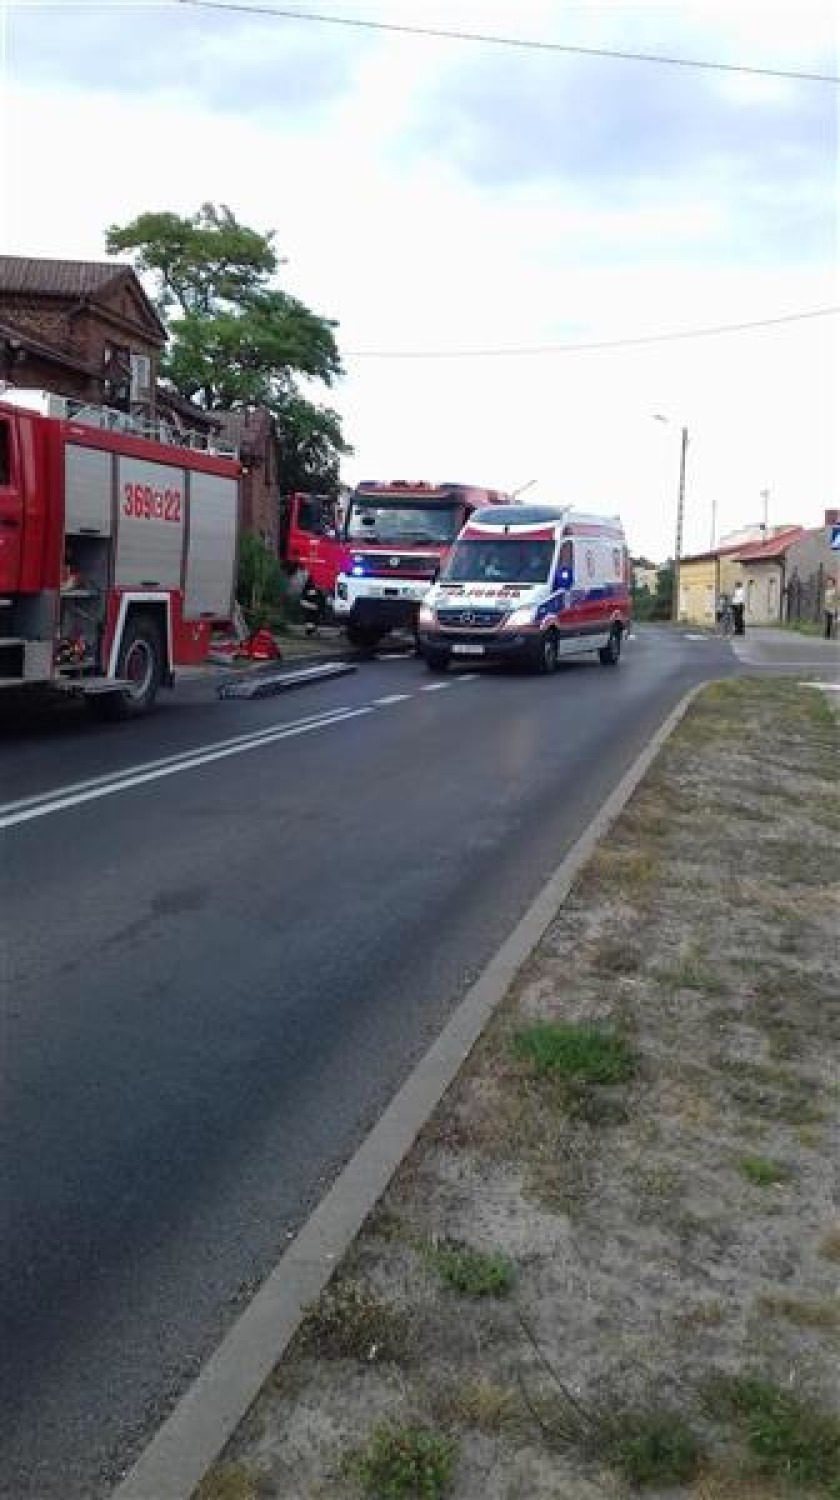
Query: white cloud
point(407, 252)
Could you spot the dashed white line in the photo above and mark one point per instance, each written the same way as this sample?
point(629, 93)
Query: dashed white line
point(435, 687)
point(392, 698)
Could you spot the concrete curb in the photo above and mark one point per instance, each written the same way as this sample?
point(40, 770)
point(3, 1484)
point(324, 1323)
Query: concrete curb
point(192, 1438)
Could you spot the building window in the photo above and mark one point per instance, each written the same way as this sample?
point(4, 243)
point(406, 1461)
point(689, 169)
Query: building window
point(141, 376)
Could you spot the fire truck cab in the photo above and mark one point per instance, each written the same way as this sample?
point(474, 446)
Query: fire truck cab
point(118, 549)
point(396, 536)
point(530, 583)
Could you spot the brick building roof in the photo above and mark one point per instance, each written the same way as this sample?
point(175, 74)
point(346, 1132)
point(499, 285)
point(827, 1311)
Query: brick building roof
point(58, 278)
point(28, 276)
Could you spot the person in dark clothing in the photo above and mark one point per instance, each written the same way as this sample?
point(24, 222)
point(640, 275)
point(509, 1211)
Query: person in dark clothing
point(738, 603)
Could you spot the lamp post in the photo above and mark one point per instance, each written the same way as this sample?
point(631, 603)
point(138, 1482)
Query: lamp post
point(675, 601)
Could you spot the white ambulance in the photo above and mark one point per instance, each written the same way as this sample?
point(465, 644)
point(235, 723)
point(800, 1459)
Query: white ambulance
point(529, 583)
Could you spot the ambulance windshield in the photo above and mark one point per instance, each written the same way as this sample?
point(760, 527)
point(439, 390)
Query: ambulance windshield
point(499, 561)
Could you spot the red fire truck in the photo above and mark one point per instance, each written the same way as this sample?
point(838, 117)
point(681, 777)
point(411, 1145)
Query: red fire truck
point(371, 560)
point(117, 549)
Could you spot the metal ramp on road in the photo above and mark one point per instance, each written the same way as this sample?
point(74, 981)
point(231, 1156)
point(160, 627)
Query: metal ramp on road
point(268, 683)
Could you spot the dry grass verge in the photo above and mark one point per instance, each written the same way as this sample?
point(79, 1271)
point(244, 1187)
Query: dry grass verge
point(609, 1266)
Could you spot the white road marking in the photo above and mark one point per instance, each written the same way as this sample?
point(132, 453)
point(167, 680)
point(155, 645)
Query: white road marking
point(827, 687)
point(248, 739)
point(76, 794)
point(697, 637)
point(107, 786)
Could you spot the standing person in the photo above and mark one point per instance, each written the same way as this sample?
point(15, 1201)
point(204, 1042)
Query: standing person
point(830, 607)
point(738, 602)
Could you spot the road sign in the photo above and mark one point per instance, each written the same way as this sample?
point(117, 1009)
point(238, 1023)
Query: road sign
point(835, 538)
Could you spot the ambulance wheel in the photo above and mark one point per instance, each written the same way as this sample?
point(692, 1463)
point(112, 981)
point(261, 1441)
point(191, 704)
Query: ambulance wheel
point(547, 658)
point(609, 654)
point(437, 661)
point(140, 662)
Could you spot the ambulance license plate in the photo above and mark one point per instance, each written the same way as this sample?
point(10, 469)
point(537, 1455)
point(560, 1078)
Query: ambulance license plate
point(467, 650)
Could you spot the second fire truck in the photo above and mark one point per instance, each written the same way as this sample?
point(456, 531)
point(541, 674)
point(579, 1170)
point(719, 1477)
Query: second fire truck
point(370, 561)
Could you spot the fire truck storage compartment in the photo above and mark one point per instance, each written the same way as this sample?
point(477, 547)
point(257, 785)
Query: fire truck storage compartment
point(150, 535)
point(86, 570)
point(86, 578)
point(88, 488)
point(213, 514)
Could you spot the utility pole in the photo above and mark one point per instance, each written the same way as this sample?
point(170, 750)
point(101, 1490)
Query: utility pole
point(675, 603)
point(714, 523)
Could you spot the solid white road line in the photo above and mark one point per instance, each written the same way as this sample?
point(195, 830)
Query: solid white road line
point(75, 794)
point(60, 801)
point(248, 739)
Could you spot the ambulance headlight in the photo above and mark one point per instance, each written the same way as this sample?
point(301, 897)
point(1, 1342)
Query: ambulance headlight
point(520, 617)
point(425, 615)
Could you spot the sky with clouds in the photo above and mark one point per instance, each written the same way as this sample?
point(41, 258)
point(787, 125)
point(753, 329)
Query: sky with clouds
point(440, 197)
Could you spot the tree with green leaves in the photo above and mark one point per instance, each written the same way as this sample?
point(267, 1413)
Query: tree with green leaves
point(236, 340)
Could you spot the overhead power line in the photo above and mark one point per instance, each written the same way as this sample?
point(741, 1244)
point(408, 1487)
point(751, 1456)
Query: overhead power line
point(668, 337)
point(486, 39)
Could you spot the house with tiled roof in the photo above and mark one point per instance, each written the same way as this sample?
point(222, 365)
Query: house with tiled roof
point(85, 329)
point(788, 576)
point(763, 574)
point(704, 579)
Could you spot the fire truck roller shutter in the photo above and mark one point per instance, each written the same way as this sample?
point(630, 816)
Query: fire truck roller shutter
point(211, 546)
point(87, 491)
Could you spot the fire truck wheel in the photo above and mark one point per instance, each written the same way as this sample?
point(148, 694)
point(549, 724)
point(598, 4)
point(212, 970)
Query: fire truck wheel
point(609, 654)
point(547, 658)
point(140, 661)
point(364, 640)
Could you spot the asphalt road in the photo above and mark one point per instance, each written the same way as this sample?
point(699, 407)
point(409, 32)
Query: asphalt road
point(218, 972)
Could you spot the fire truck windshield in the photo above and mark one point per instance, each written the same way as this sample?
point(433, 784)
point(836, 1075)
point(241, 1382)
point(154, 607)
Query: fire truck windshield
point(402, 521)
point(500, 562)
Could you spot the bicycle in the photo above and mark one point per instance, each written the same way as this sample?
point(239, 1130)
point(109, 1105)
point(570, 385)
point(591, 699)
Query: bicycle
point(726, 620)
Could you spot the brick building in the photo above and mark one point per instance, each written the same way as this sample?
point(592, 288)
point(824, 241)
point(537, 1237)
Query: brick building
point(254, 433)
point(79, 328)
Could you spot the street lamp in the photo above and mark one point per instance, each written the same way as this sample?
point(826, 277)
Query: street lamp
point(675, 602)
